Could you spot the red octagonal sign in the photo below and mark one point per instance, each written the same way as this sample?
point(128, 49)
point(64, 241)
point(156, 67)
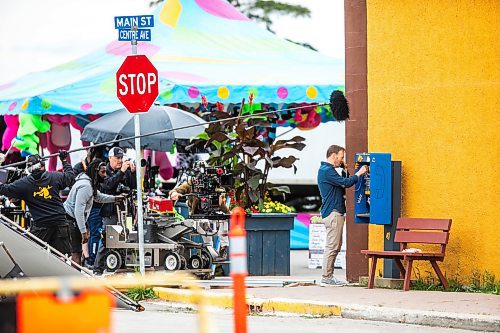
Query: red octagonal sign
point(137, 84)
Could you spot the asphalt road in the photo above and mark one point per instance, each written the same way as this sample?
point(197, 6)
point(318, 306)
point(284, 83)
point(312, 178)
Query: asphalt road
point(186, 322)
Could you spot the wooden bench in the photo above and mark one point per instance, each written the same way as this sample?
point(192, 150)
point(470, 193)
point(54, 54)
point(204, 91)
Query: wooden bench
point(415, 231)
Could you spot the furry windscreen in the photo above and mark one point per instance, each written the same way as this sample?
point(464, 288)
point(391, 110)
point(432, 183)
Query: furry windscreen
point(339, 105)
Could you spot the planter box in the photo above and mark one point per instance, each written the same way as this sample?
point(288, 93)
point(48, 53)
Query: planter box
point(268, 244)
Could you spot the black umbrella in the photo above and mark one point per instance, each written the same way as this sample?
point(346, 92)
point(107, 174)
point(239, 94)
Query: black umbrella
point(120, 124)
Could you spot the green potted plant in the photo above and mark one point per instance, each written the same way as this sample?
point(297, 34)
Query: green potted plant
point(242, 146)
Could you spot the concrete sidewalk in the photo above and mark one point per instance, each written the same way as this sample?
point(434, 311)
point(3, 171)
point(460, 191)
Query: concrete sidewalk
point(465, 303)
point(480, 312)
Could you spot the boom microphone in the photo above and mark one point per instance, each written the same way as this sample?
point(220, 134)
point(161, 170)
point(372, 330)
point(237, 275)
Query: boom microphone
point(339, 105)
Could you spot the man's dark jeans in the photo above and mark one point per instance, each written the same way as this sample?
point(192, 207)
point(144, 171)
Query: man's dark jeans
point(95, 223)
point(57, 236)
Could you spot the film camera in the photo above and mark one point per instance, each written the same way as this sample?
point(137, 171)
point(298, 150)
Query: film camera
point(208, 183)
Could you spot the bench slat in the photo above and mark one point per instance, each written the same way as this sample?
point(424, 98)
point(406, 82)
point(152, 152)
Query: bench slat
point(382, 252)
point(424, 224)
point(402, 254)
point(421, 237)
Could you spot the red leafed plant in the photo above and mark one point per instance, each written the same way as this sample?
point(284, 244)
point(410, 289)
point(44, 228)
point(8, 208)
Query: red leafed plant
point(236, 144)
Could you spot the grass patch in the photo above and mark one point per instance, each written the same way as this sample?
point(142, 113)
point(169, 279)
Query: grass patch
point(477, 283)
point(140, 294)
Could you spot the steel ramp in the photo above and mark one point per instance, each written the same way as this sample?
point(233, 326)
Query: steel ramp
point(36, 258)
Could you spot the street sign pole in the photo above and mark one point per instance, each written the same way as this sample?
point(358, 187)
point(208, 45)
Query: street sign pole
point(137, 88)
point(134, 46)
point(140, 213)
point(140, 224)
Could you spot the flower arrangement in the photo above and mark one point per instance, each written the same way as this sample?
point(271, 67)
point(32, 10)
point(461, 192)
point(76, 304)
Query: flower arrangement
point(273, 207)
point(268, 206)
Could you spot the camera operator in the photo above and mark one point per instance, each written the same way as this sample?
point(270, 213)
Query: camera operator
point(79, 203)
point(40, 190)
point(118, 172)
point(193, 203)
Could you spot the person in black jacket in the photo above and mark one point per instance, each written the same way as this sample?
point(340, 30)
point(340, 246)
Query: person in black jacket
point(118, 172)
point(40, 190)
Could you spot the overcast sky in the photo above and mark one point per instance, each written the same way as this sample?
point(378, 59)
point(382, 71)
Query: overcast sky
point(39, 34)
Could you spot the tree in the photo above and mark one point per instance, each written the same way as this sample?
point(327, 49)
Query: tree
point(262, 10)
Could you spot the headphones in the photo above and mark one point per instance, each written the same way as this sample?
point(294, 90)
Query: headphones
point(34, 162)
point(34, 167)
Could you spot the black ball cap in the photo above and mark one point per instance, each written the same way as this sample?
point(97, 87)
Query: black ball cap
point(116, 151)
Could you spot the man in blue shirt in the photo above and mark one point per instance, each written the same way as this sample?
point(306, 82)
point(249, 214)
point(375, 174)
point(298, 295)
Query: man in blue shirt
point(332, 189)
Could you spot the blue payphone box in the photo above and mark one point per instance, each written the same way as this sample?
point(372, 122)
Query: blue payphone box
point(377, 199)
point(373, 191)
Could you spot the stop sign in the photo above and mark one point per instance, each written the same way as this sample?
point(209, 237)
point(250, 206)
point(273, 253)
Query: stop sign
point(137, 83)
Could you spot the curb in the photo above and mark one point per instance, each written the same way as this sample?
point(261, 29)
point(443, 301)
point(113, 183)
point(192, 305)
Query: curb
point(316, 308)
point(427, 318)
point(187, 297)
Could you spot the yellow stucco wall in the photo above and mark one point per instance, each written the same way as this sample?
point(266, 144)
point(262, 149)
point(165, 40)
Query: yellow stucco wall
point(434, 103)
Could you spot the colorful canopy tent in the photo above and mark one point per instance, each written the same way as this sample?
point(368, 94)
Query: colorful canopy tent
point(200, 47)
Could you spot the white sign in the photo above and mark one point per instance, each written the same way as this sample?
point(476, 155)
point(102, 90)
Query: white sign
point(317, 239)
